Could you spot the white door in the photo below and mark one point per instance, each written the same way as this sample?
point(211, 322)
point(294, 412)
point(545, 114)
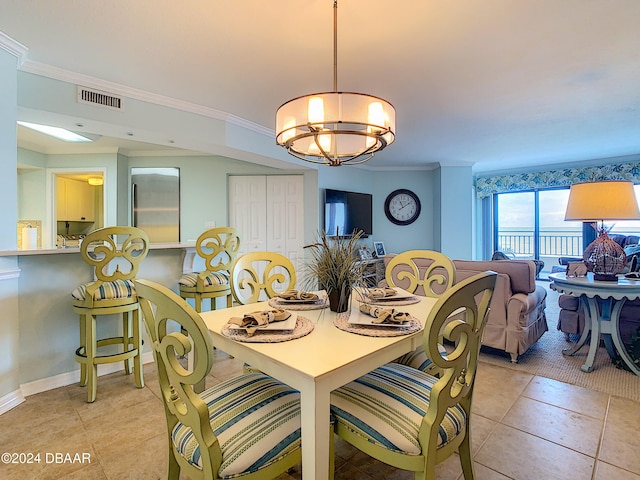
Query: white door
point(268, 212)
point(247, 195)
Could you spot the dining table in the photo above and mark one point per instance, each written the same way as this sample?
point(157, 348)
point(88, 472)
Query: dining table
point(336, 350)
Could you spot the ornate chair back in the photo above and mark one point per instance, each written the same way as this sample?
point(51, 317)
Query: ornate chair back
point(439, 272)
point(256, 275)
point(115, 253)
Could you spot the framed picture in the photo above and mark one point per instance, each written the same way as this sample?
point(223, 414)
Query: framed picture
point(379, 249)
point(364, 253)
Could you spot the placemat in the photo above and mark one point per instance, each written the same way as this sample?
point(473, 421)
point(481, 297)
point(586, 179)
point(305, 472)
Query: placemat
point(393, 303)
point(276, 303)
point(303, 327)
point(342, 322)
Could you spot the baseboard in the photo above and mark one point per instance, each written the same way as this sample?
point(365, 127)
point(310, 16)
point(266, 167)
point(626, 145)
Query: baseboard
point(10, 401)
point(69, 378)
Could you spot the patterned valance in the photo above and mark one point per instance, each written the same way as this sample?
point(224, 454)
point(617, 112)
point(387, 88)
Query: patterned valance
point(486, 186)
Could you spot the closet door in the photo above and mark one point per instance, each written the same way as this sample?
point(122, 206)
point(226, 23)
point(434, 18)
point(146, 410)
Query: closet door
point(268, 212)
point(285, 216)
point(247, 198)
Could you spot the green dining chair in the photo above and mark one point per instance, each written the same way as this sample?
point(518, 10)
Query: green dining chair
point(412, 420)
point(245, 427)
point(257, 276)
point(439, 275)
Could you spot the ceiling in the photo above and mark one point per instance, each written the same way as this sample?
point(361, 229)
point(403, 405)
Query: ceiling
point(499, 84)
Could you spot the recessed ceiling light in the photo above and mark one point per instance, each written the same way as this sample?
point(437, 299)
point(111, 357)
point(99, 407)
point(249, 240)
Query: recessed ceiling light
point(57, 132)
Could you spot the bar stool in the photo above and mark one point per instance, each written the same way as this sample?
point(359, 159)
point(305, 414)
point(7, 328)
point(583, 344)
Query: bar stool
point(113, 292)
point(218, 247)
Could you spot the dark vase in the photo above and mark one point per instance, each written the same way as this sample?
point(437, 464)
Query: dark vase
point(339, 300)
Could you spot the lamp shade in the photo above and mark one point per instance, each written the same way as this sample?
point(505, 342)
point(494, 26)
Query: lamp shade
point(605, 200)
point(335, 128)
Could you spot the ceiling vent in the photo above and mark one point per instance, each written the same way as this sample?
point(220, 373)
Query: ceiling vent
point(96, 97)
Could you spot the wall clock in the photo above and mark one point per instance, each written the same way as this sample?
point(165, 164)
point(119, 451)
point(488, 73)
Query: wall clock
point(402, 207)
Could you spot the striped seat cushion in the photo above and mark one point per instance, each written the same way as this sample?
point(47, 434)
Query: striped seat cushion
point(256, 420)
point(212, 278)
point(419, 360)
point(386, 407)
point(107, 291)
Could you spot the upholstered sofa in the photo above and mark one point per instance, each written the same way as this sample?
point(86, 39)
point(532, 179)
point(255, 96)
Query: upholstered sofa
point(517, 317)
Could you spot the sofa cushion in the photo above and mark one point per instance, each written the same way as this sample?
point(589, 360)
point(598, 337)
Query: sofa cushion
point(522, 273)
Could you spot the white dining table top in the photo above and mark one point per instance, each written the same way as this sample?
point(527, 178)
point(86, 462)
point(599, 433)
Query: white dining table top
point(317, 363)
point(326, 348)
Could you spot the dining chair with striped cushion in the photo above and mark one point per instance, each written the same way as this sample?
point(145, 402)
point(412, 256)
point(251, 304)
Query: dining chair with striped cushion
point(412, 420)
point(244, 427)
point(437, 276)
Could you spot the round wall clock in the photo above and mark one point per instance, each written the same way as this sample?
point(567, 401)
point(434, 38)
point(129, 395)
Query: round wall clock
point(402, 207)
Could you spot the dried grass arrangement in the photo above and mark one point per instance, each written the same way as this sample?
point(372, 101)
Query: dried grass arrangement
point(336, 268)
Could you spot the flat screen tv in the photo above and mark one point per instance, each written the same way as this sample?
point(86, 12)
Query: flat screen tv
point(345, 212)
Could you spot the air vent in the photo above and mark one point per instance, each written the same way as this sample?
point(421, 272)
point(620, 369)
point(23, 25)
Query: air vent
point(96, 97)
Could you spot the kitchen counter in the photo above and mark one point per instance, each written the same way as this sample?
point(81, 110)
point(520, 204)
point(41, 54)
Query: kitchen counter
point(64, 250)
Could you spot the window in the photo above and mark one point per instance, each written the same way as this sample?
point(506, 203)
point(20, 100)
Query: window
point(531, 225)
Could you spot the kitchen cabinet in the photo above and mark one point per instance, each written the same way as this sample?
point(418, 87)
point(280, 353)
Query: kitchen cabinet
point(75, 200)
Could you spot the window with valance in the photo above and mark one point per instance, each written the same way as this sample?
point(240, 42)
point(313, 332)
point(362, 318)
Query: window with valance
point(487, 186)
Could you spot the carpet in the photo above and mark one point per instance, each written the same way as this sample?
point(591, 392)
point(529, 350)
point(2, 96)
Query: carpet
point(545, 359)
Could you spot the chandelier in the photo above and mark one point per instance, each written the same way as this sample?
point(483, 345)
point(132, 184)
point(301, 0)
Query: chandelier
point(335, 128)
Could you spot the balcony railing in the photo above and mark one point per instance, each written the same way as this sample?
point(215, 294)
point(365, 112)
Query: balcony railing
point(551, 244)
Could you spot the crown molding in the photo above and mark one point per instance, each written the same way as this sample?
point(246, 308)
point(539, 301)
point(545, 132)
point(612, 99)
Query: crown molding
point(67, 76)
point(14, 48)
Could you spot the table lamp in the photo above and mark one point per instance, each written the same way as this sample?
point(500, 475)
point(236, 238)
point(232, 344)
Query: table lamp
point(597, 202)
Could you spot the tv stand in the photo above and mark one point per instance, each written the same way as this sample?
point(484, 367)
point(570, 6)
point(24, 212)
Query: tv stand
point(373, 271)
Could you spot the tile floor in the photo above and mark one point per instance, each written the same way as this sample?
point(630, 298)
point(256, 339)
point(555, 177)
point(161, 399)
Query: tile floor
point(525, 427)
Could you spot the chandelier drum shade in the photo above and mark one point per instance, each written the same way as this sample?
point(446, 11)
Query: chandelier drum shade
point(600, 201)
point(335, 128)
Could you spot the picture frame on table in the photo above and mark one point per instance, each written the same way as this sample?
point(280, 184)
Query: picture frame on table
point(364, 254)
point(379, 249)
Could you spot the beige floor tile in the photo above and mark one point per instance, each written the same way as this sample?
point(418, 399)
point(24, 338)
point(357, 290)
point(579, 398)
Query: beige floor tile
point(91, 472)
point(570, 397)
point(569, 429)
point(621, 442)
point(135, 423)
point(604, 471)
point(350, 472)
point(623, 412)
point(496, 389)
point(449, 469)
point(114, 391)
point(481, 428)
point(484, 473)
point(129, 460)
point(523, 456)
